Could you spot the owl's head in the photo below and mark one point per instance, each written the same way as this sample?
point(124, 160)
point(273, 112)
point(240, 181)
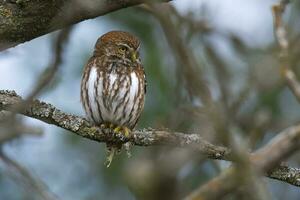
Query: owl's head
point(118, 44)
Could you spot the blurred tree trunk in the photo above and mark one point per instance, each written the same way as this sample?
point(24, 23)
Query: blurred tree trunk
point(23, 20)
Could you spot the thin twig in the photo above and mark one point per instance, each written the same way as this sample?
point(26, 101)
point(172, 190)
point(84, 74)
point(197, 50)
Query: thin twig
point(48, 74)
point(43, 80)
point(36, 186)
point(279, 148)
point(281, 37)
point(197, 85)
point(263, 161)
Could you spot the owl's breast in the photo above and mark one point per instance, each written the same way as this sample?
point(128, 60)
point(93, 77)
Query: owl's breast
point(117, 98)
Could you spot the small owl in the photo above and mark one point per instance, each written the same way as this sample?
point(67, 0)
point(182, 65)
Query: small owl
point(113, 84)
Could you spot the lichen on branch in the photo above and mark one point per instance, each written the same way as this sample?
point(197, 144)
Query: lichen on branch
point(147, 137)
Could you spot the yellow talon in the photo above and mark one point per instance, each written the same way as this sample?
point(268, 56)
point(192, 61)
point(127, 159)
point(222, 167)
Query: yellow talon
point(122, 130)
point(111, 148)
point(127, 132)
point(118, 129)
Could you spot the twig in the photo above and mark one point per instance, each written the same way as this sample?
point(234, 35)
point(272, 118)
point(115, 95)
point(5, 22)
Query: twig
point(148, 137)
point(10, 130)
point(288, 174)
point(35, 185)
point(10, 125)
point(281, 37)
point(279, 148)
point(197, 85)
point(48, 74)
point(10, 133)
point(263, 160)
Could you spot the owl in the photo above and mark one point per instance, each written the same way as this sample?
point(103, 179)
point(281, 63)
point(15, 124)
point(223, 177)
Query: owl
point(113, 84)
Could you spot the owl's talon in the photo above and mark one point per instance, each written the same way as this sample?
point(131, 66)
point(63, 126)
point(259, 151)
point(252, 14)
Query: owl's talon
point(122, 130)
point(118, 130)
point(127, 132)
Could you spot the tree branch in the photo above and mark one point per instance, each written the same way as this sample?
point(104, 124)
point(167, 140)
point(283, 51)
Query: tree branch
point(282, 40)
point(147, 137)
point(279, 148)
point(262, 161)
point(23, 20)
point(22, 175)
point(78, 125)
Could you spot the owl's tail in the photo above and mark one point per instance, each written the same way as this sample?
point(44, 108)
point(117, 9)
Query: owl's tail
point(111, 150)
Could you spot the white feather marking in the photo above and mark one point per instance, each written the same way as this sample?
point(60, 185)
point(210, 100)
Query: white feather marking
point(112, 78)
point(104, 112)
point(91, 93)
point(112, 87)
point(84, 88)
point(134, 84)
point(111, 114)
point(134, 87)
point(119, 97)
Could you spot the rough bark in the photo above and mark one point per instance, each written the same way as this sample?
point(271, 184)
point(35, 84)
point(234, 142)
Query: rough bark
point(49, 114)
point(23, 20)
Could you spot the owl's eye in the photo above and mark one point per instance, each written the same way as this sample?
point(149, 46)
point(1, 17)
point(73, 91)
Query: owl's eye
point(122, 49)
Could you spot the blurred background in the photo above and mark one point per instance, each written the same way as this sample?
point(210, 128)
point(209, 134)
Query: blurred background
point(235, 56)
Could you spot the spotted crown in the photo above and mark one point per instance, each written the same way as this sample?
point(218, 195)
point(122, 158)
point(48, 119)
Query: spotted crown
point(118, 37)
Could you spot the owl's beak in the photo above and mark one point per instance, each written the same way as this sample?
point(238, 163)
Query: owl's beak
point(133, 56)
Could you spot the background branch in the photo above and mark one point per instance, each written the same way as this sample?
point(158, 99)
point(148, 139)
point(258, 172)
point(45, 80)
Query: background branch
point(263, 160)
point(21, 174)
point(282, 40)
point(279, 148)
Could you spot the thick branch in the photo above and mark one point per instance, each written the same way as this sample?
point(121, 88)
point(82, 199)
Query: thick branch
point(23, 20)
point(147, 137)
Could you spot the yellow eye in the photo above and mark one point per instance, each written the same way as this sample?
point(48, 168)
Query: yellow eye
point(122, 49)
